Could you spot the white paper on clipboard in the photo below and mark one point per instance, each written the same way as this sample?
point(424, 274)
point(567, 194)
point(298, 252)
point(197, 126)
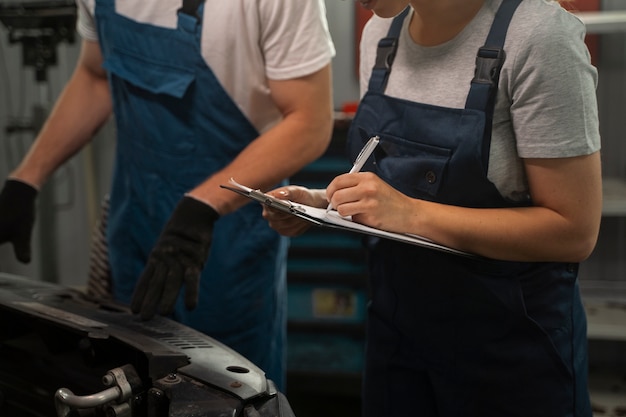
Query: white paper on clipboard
point(324, 218)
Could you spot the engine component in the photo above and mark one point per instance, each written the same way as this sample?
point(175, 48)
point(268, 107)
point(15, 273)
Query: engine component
point(63, 354)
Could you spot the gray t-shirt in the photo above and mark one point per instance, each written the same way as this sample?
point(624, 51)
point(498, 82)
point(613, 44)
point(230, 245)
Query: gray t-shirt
point(546, 105)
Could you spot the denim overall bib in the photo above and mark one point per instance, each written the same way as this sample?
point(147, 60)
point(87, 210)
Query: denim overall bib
point(450, 335)
point(175, 127)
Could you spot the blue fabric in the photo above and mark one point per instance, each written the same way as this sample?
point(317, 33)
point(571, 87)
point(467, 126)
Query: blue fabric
point(176, 126)
point(450, 336)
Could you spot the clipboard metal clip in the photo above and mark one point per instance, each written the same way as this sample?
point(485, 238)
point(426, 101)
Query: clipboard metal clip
point(277, 203)
point(265, 199)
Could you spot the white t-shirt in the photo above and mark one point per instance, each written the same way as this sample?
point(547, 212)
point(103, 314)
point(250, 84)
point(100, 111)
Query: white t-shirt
point(546, 105)
point(244, 42)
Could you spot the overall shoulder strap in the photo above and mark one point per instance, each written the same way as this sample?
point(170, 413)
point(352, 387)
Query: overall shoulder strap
point(490, 58)
point(190, 17)
point(489, 61)
point(386, 53)
point(190, 7)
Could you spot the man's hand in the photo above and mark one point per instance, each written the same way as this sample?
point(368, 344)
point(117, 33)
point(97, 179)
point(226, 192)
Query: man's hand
point(287, 224)
point(17, 217)
point(177, 259)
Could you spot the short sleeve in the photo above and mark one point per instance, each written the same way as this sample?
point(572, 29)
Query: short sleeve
point(86, 24)
point(554, 108)
point(295, 37)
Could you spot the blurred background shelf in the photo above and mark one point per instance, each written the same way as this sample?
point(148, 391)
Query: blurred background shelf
point(608, 21)
point(327, 299)
point(606, 320)
point(608, 395)
point(614, 202)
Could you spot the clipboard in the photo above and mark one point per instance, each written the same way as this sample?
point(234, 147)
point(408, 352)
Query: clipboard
point(322, 217)
point(285, 206)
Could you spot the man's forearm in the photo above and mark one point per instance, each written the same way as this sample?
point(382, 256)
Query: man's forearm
point(83, 107)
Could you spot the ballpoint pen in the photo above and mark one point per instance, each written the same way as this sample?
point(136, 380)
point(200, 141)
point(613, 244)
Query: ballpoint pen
point(361, 158)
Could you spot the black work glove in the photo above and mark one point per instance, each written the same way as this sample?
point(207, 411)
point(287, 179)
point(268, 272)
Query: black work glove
point(17, 217)
point(177, 259)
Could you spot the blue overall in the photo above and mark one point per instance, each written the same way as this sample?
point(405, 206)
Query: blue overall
point(449, 335)
point(175, 127)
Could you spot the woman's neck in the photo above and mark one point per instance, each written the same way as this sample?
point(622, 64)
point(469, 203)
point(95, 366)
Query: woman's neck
point(437, 21)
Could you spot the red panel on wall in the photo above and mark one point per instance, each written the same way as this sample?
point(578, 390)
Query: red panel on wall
point(582, 5)
point(361, 17)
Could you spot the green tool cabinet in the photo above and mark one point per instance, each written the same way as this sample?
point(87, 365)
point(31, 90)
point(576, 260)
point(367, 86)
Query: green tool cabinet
point(327, 293)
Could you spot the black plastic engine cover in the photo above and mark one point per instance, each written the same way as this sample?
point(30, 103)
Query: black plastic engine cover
point(55, 337)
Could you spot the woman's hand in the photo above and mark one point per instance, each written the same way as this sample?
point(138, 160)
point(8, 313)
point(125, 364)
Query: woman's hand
point(370, 201)
point(286, 224)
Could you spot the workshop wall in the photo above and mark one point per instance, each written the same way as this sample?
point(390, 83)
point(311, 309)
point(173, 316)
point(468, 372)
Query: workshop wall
point(608, 264)
point(23, 103)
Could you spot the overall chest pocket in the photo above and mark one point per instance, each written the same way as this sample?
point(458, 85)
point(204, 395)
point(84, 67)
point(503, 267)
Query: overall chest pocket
point(153, 101)
point(415, 169)
point(151, 75)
